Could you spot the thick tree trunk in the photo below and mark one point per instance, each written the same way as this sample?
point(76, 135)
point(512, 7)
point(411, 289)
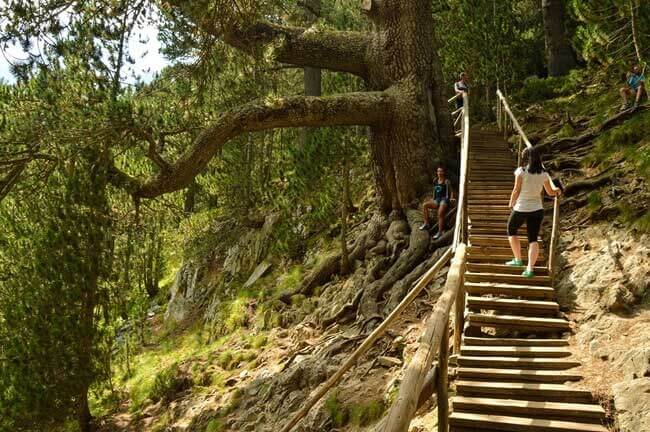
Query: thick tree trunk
point(408, 128)
point(561, 58)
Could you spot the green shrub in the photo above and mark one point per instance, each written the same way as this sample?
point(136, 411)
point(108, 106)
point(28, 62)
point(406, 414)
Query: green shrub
point(594, 200)
point(538, 89)
point(258, 341)
point(169, 383)
point(366, 414)
point(337, 412)
point(214, 425)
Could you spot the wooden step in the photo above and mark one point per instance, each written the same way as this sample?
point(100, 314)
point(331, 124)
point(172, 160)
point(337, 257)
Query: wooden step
point(534, 391)
point(496, 241)
point(503, 269)
point(515, 342)
point(477, 211)
point(485, 422)
point(537, 280)
point(511, 290)
point(514, 351)
point(518, 322)
point(588, 413)
point(490, 216)
point(516, 375)
point(488, 231)
point(502, 252)
point(525, 307)
point(491, 258)
point(525, 363)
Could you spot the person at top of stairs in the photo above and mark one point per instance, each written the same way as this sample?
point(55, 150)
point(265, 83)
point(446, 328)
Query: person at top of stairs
point(443, 196)
point(527, 207)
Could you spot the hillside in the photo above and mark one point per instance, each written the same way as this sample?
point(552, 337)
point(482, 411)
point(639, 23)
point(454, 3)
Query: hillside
point(266, 355)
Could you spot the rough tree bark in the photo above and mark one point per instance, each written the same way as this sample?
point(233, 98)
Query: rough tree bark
point(405, 107)
point(561, 58)
point(405, 110)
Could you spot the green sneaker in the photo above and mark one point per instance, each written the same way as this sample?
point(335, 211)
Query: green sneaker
point(515, 263)
point(528, 273)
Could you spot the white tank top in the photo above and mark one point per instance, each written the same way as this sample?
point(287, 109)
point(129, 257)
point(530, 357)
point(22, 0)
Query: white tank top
point(532, 185)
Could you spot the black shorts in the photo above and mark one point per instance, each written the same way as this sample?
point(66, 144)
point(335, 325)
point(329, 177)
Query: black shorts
point(533, 223)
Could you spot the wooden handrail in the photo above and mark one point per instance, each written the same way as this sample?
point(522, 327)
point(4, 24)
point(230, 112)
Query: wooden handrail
point(370, 340)
point(515, 123)
point(554, 237)
point(461, 213)
point(456, 96)
point(437, 325)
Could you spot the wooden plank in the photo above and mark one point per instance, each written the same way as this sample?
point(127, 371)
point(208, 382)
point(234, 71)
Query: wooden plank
point(490, 374)
point(514, 341)
point(584, 412)
point(503, 269)
point(517, 390)
point(515, 351)
point(538, 280)
point(518, 322)
point(531, 292)
point(485, 422)
point(517, 363)
point(442, 385)
point(515, 304)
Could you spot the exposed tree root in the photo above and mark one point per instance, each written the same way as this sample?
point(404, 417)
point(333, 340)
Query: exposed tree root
point(402, 287)
point(590, 183)
point(405, 263)
point(332, 264)
point(573, 142)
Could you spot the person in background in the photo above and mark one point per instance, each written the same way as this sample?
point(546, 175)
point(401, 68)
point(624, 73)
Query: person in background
point(443, 196)
point(634, 88)
point(526, 204)
point(461, 87)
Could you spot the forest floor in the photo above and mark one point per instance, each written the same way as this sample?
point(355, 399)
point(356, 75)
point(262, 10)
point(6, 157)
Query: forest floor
point(256, 375)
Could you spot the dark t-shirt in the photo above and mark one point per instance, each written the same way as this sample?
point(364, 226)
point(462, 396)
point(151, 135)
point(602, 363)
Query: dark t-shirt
point(441, 190)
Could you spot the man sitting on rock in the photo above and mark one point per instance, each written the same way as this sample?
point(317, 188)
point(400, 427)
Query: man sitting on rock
point(443, 196)
point(634, 88)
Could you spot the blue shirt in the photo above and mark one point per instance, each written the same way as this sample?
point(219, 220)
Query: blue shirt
point(634, 81)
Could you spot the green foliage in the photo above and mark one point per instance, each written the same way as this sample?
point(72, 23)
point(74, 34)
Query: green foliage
point(336, 411)
point(628, 140)
point(215, 425)
point(168, 384)
point(538, 89)
point(366, 414)
point(594, 200)
point(604, 34)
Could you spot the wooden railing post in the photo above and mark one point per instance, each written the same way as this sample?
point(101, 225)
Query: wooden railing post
point(400, 415)
point(442, 385)
point(554, 235)
point(370, 340)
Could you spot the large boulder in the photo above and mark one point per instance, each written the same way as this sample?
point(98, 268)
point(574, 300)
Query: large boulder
point(187, 292)
point(632, 402)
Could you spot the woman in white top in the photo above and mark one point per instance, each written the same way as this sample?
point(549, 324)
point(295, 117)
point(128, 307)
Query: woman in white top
point(526, 205)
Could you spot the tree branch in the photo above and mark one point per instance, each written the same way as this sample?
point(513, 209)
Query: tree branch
point(340, 51)
point(299, 111)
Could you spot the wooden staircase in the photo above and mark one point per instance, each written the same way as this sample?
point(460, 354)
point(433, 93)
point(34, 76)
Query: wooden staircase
point(514, 368)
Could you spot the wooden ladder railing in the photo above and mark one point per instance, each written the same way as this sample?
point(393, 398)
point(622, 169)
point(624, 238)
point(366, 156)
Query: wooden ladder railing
point(436, 336)
point(505, 119)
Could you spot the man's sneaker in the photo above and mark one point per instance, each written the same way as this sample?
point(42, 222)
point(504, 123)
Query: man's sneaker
point(425, 227)
point(635, 106)
point(515, 263)
point(528, 274)
point(437, 236)
point(625, 107)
